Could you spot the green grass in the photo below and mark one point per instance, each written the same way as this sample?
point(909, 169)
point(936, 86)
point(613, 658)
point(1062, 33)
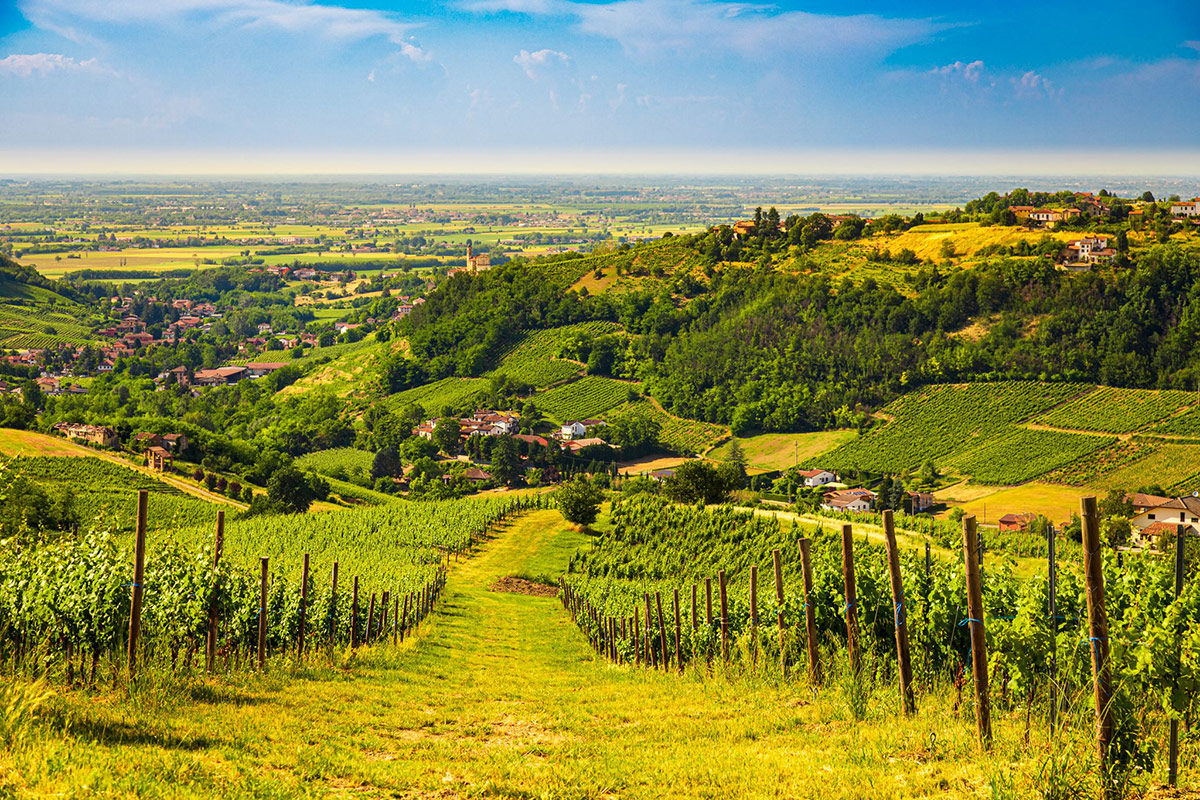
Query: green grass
point(500, 696)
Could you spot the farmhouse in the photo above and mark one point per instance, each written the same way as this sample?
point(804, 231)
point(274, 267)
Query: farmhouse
point(175, 442)
point(146, 440)
point(918, 502)
point(1017, 522)
point(92, 434)
point(1186, 209)
point(220, 376)
point(158, 459)
point(578, 428)
point(1089, 250)
point(858, 500)
point(817, 477)
point(259, 368)
point(1176, 511)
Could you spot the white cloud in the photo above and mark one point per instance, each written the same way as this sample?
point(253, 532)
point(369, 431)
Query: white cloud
point(1034, 86)
point(327, 21)
point(25, 65)
point(648, 27)
point(541, 63)
point(969, 72)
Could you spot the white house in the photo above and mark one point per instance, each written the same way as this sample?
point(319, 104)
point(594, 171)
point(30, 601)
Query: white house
point(578, 428)
point(859, 500)
point(817, 477)
point(1177, 511)
point(1186, 208)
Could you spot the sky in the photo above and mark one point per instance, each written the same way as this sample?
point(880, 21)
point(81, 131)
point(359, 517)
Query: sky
point(618, 86)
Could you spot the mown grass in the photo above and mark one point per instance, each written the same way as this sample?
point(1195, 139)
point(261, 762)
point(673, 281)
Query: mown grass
point(500, 697)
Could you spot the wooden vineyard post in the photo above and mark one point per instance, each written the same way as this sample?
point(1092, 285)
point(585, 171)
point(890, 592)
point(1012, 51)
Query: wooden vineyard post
point(404, 615)
point(1052, 613)
point(303, 608)
point(678, 635)
point(724, 616)
point(810, 614)
point(777, 562)
point(624, 638)
point(370, 619)
point(753, 617)
point(902, 656)
point(851, 597)
point(1173, 742)
point(395, 617)
point(708, 608)
point(139, 572)
point(354, 614)
point(333, 604)
point(694, 606)
point(264, 563)
point(210, 651)
point(662, 633)
point(1093, 569)
point(637, 641)
point(651, 661)
point(983, 711)
point(383, 615)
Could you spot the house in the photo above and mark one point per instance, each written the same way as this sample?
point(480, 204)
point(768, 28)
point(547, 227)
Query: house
point(1186, 209)
point(1145, 502)
point(179, 375)
point(1017, 522)
point(817, 477)
point(259, 368)
point(478, 263)
point(541, 441)
point(158, 459)
point(1175, 511)
point(264, 327)
point(573, 430)
point(220, 376)
point(857, 500)
point(575, 445)
point(1089, 250)
point(425, 429)
point(145, 440)
point(92, 434)
point(175, 442)
point(476, 475)
point(48, 385)
point(918, 502)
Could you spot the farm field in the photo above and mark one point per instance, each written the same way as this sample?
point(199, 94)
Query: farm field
point(433, 397)
point(502, 691)
point(777, 451)
point(1175, 467)
point(988, 503)
point(338, 463)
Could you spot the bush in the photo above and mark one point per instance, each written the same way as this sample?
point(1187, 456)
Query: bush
point(579, 500)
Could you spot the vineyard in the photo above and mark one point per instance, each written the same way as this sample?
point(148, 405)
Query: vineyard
point(104, 491)
point(710, 571)
point(433, 397)
point(1111, 410)
point(941, 423)
point(535, 359)
point(682, 436)
point(1024, 454)
point(1186, 425)
point(266, 586)
point(585, 398)
point(36, 322)
point(341, 462)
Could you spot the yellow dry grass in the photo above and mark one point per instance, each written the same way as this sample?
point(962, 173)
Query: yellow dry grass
point(967, 237)
point(989, 503)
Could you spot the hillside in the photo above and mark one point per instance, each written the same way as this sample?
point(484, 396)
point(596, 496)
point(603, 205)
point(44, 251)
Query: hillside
point(36, 312)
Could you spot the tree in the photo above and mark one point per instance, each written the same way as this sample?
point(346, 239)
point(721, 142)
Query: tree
point(386, 464)
point(696, 481)
point(579, 501)
point(290, 489)
point(1115, 504)
point(506, 464)
point(446, 435)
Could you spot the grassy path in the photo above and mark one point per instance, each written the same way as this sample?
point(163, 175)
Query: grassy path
point(500, 696)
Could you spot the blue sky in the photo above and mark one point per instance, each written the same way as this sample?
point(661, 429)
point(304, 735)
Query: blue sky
point(685, 85)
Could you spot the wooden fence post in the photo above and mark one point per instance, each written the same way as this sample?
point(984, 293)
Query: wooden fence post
point(810, 613)
point(753, 617)
point(404, 615)
point(262, 613)
point(333, 604)
point(901, 613)
point(708, 605)
point(303, 608)
point(651, 660)
point(724, 616)
point(1093, 568)
point(662, 633)
point(354, 615)
point(777, 562)
point(139, 573)
point(637, 640)
point(395, 616)
point(1052, 613)
point(370, 620)
point(678, 635)
point(983, 711)
point(1173, 743)
point(210, 651)
point(851, 597)
point(694, 607)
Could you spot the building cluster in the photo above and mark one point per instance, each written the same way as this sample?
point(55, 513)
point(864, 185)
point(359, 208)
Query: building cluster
point(160, 449)
point(1088, 250)
point(484, 422)
point(101, 435)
